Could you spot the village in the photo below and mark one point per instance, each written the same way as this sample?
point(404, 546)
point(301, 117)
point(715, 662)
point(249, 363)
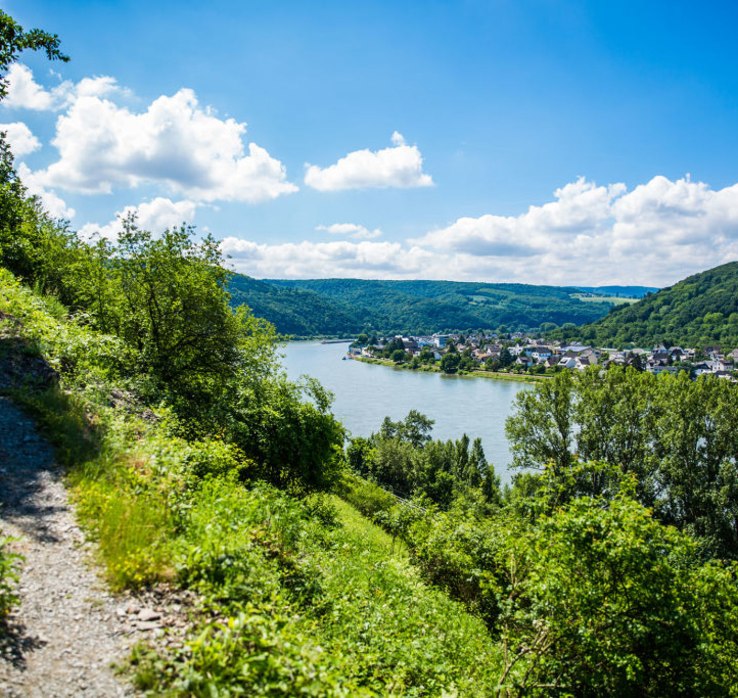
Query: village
point(520, 353)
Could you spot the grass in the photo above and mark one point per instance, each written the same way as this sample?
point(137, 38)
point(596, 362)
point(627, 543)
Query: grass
point(615, 300)
point(300, 596)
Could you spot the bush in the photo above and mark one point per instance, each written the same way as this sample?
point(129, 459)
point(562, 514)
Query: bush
point(8, 579)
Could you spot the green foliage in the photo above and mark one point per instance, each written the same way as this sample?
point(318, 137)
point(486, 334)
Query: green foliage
point(450, 362)
point(676, 436)
point(700, 311)
point(295, 442)
point(8, 579)
point(623, 627)
point(540, 430)
point(348, 306)
point(403, 458)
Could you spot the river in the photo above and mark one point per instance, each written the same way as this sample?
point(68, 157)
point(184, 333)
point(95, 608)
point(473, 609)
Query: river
point(365, 394)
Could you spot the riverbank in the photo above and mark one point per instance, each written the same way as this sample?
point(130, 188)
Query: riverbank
point(494, 375)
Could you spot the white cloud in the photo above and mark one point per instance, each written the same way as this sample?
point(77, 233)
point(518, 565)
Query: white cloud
point(25, 93)
point(399, 166)
point(174, 143)
point(21, 140)
point(655, 234)
point(352, 230)
point(363, 259)
point(156, 216)
point(55, 206)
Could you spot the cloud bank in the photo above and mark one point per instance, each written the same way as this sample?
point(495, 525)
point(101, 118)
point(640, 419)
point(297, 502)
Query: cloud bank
point(656, 233)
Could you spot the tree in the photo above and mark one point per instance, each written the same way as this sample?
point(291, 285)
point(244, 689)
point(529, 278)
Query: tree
point(399, 356)
point(601, 608)
point(450, 362)
point(169, 302)
point(14, 40)
point(31, 245)
point(540, 429)
point(506, 358)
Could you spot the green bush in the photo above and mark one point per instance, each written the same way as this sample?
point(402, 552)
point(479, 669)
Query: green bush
point(8, 579)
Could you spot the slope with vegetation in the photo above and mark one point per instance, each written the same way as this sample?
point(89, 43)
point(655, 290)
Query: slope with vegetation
point(700, 311)
point(350, 306)
point(395, 566)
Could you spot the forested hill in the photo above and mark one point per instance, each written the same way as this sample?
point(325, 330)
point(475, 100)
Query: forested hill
point(699, 311)
point(345, 306)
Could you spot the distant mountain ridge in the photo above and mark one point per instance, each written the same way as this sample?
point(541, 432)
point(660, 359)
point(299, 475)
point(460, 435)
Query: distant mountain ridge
point(620, 291)
point(348, 306)
point(699, 311)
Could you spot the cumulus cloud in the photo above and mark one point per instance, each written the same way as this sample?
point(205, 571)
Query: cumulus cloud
point(352, 230)
point(656, 234)
point(365, 259)
point(25, 93)
point(175, 143)
point(55, 206)
point(21, 140)
point(156, 216)
point(399, 166)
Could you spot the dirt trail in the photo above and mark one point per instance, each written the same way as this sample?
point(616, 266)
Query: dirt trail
point(68, 630)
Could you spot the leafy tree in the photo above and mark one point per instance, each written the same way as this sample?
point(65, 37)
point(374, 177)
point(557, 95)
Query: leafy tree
point(541, 428)
point(622, 628)
point(174, 309)
point(32, 246)
point(399, 356)
point(295, 442)
point(676, 436)
point(14, 40)
point(506, 358)
point(450, 362)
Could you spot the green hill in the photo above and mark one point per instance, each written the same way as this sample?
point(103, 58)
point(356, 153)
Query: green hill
point(295, 311)
point(699, 311)
point(345, 306)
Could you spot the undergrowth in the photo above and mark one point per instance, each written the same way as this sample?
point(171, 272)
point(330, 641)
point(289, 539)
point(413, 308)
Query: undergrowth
point(8, 579)
point(299, 595)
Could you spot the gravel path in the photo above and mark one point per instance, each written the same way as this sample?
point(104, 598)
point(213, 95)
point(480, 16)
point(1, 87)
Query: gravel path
point(68, 630)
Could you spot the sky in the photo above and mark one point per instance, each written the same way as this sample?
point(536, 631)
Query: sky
point(534, 141)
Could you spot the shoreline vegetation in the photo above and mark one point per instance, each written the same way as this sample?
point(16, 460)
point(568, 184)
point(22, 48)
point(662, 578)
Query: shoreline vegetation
point(494, 375)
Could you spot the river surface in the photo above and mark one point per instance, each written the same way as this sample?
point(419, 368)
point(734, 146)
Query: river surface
point(365, 394)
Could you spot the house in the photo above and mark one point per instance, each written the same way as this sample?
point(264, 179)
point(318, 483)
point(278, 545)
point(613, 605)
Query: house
point(540, 353)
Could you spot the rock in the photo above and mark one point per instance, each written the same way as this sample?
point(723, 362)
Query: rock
point(146, 626)
point(148, 614)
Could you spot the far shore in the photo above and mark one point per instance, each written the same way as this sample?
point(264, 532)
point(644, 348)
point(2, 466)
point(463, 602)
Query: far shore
point(515, 377)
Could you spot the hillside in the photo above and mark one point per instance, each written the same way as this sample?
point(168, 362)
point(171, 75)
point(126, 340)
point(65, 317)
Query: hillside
point(295, 311)
point(620, 291)
point(699, 311)
point(340, 306)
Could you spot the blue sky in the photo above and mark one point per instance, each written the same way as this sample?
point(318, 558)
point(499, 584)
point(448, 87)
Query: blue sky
point(533, 141)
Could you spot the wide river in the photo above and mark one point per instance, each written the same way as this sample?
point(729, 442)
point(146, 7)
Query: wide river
point(365, 394)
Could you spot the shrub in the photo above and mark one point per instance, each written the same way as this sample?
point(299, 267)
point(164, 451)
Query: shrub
point(8, 578)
